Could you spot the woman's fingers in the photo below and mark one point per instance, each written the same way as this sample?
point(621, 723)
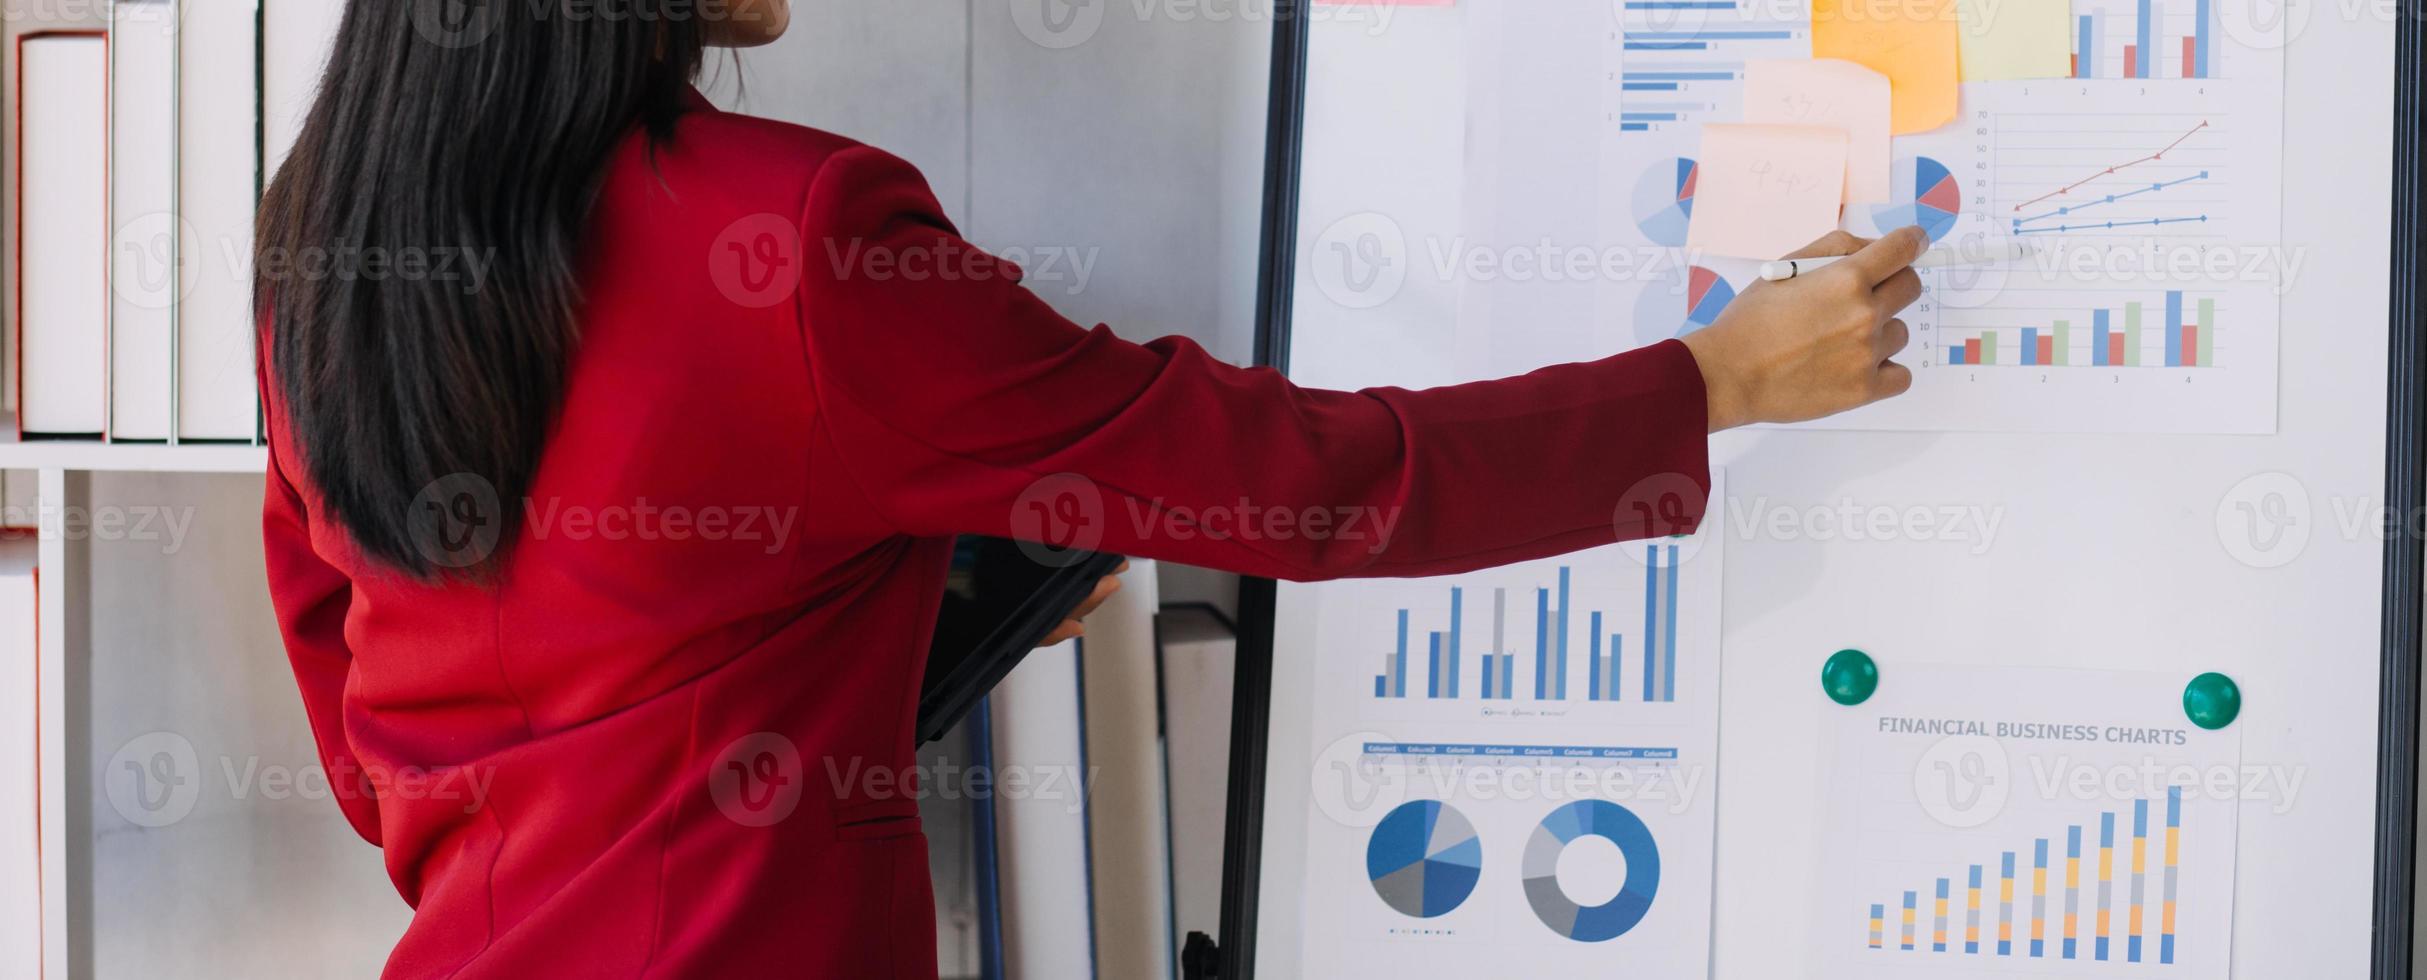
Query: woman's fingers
point(1072, 628)
point(1894, 252)
point(1893, 336)
point(1833, 243)
point(1899, 291)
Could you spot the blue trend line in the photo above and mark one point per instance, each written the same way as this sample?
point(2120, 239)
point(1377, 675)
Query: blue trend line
point(2152, 222)
point(2110, 199)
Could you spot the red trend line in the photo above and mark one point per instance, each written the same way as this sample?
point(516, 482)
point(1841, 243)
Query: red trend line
point(2110, 171)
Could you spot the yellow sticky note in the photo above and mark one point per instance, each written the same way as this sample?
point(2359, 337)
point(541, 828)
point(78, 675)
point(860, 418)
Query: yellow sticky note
point(2009, 39)
point(1916, 43)
point(1766, 190)
point(1832, 93)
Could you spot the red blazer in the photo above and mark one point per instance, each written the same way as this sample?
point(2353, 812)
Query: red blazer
point(670, 739)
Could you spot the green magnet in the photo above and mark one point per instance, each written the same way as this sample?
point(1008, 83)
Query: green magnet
point(1849, 677)
point(2212, 700)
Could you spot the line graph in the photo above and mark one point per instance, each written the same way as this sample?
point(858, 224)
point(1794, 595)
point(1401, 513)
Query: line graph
point(2181, 189)
point(2118, 168)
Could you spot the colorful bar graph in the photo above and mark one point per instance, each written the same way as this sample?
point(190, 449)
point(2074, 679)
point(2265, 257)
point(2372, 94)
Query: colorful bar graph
point(2174, 841)
point(1972, 912)
point(2039, 897)
point(2140, 868)
point(2046, 930)
point(2189, 339)
point(1938, 922)
point(2106, 877)
point(2145, 47)
point(2072, 889)
point(2005, 905)
point(2174, 329)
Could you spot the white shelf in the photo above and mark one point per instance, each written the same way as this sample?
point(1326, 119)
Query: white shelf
point(132, 457)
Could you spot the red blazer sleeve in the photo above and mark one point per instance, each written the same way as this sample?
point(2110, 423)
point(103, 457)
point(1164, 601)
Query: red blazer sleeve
point(311, 598)
point(960, 403)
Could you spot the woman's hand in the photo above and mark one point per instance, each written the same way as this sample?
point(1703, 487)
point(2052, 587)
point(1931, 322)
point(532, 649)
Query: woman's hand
point(1817, 344)
point(1072, 628)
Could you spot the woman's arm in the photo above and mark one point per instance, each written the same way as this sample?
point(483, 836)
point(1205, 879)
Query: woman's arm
point(960, 403)
point(311, 598)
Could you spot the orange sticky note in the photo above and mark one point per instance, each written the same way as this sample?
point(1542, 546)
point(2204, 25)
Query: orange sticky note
point(1766, 190)
point(1918, 44)
point(1832, 93)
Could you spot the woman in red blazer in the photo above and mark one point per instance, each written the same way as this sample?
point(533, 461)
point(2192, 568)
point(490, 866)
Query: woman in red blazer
point(618, 444)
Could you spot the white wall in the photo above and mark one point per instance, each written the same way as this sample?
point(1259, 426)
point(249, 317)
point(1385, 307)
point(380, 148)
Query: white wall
point(1125, 136)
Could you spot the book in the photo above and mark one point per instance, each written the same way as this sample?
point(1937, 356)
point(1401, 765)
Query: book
point(63, 292)
point(219, 187)
point(144, 242)
point(20, 776)
point(1198, 653)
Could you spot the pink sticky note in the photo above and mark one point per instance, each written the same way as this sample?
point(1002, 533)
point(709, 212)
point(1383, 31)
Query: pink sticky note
point(1832, 93)
point(1766, 190)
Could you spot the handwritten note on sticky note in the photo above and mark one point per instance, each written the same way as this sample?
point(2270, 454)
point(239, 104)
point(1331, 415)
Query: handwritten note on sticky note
point(1831, 93)
point(1766, 190)
point(1916, 43)
point(2009, 39)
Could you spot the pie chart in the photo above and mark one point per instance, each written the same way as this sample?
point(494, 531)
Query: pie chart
point(1682, 303)
point(1926, 194)
point(1664, 201)
point(1540, 868)
point(1424, 859)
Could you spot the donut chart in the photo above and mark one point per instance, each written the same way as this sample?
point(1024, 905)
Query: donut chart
point(1664, 200)
point(1540, 870)
point(1424, 859)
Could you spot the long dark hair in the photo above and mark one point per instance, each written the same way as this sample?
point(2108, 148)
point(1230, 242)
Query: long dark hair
point(447, 130)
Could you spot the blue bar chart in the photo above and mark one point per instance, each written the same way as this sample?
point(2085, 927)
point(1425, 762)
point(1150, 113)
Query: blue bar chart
point(1562, 639)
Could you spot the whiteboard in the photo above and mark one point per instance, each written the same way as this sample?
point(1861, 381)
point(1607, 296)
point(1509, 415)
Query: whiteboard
point(2124, 554)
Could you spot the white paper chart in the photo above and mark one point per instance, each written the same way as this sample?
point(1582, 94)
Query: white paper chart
point(2151, 185)
point(1515, 768)
point(1991, 822)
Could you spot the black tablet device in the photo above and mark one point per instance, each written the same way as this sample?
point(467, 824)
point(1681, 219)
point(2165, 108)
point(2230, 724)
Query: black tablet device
point(1003, 597)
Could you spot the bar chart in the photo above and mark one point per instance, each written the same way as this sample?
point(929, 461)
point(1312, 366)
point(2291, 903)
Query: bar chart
point(1978, 836)
point(2145, 39)
point(1681, 62)
point(2103, 890)
point(2178, 330)
point(1435, 667)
